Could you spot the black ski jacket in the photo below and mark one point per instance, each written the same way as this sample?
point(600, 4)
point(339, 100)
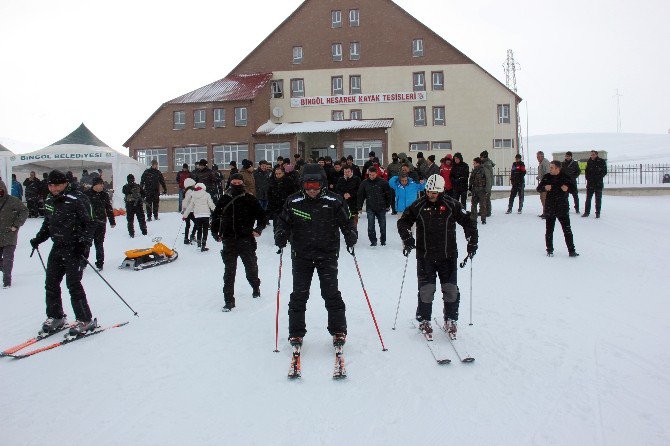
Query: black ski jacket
point(571, 169)
point(278, 191)
point(237, 216)
point(377, 192)
point(68, 220)
point(459, 176)
point(262, 181)
point(205, 176)
point(436, 227)
point(150, 182)
point(556, 202)
point(349, 186)
point(101, 205)
point(595, 172)
point(313, 225)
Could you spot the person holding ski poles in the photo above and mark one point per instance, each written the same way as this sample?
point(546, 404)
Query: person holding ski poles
point(312, 220)
point(435, 216)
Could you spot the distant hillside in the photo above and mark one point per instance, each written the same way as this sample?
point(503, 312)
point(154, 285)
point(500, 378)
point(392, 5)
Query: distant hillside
point(621, 147)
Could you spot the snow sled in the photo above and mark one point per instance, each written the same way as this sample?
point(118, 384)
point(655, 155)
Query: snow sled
point(157, 255)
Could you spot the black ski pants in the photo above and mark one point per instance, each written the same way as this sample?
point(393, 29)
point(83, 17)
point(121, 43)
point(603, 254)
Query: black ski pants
point(151, 202)
point(564, 220)
point(132, 211)
point(189, 219)
point(202, 228)
point(427, 271)
point(244, 248)
point(462, 196)
point(303, 270)
point(33, 205)
point(63, 261)
point(590, 192)
point(98, 241)
point(575, 194)
point(516, 189)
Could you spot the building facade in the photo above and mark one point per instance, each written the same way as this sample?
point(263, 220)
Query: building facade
point(338, 78)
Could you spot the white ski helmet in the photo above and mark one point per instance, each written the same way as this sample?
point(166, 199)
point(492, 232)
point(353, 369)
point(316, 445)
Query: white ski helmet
point(435, 183)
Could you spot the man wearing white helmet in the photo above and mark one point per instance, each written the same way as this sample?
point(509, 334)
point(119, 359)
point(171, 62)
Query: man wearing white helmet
point(435, 216)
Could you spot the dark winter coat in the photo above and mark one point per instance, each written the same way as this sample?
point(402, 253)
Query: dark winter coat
point(349, 186)
point(32, 188)
point(459, 176)
point(571, 169)
point(422, 168)
point(237, 217)
point(596, 170)
point(488, 166)
point(433, 169)
point(436, 227)
point(313, 225)
point(232, 172)
point(393, 169)
point(262, 182)
point(151, 180)
point(377, 192)
point(518, 173)
point(205, 176)
point(13, 213)
point(333, 177)
point(278, 191)
point(181, 176)
point(557, 200)
point(101, 205)
point(478, 180)
point(67, 220)
point(132, 194)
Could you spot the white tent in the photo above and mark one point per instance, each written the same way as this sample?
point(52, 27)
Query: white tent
point(79, 150)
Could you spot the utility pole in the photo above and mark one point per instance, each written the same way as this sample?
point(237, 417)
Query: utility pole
point(618, 110)
point(511, 66)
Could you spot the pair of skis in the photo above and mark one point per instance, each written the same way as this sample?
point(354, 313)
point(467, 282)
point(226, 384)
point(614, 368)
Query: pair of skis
point(13, 352)
point(339, 371)
point(456, 343)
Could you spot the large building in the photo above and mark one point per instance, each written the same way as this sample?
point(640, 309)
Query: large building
point(338, 78)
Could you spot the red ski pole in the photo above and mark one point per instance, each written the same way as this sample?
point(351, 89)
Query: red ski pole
point(367, 298)
point(281, 255)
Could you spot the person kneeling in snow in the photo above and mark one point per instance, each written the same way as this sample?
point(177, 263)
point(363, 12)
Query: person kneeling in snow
point(435, 216)
point(233, 223)
point(200, 204)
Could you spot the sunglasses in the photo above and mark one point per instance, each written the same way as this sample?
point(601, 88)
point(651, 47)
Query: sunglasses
point(313, 185)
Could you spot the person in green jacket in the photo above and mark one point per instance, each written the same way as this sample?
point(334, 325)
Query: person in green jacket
point(13, 214)
point(488, 166)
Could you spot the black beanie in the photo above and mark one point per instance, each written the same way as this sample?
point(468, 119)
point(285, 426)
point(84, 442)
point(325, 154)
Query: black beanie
point(236, 176)
point(130, 178)
point(56, 177)
point(96, 180)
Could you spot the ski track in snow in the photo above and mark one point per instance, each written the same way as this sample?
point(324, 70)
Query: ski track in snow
point(568, 351)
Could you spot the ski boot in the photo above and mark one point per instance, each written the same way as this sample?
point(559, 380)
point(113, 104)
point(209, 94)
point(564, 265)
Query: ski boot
point(509, 211)
point(187, 241)
point(339, 339)
point(204, 248)
point(256, 292)
point(228, 307)
point(550, 253)
point(450, 326)
point(81, 327)
point(573, 254)
point(99, 265)
point(295, 341)
point(425, 327)
point(519, 211)
point(54, 324)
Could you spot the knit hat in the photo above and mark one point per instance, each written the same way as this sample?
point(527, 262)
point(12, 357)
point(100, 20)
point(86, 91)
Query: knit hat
point(448, 156)
point(233, 163)
point(130, 178)
point(372, 153)
point(431, 158)
point(236, 176)
point(189, 182)
point(246, 164)
point(56, 177)
point(484, 154)
point(96, 180)
point(203, 162)
point(419, 155)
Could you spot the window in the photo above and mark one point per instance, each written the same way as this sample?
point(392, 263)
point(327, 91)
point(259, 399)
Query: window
point(440, 145)
point(419, 116)
point(419, 81)
point(417, 48)
point(297, 88)
point(272, 151)
point(438, 80)
point(297, 54)
point(354, 17)
point(240, 116)
point(355, 85)
point(179, 120)
point(226, 153)
point(199, 119)
point(337, 115)
point(219, 117)
point(438, 115)
point(418, 146)
point(337, 87)
point(188, 155)
point(503, 113)
point(503, 143)
point(356, 115)
point(354, 51)
point(337, 52)
point(336, 19)
point(359, 150)
point(277, 89)
point(145, 156)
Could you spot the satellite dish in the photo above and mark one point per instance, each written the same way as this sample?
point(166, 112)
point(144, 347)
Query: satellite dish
point(278, 112)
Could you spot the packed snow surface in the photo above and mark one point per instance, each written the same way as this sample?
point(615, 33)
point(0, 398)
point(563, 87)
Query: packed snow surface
point(568, 351)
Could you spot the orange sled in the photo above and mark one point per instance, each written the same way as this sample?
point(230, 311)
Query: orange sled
point(157, 255)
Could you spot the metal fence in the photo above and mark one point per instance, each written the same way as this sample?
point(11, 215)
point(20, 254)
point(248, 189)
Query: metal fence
point(616, 174)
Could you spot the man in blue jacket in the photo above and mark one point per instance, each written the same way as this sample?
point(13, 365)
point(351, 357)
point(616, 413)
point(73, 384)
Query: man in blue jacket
point(406, 191)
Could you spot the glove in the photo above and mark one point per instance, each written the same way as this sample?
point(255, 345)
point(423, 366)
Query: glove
point(280, 240)
point(408, 245)
point(351, 250)
point(34, 243)
point(472, 249)
point(350, 239)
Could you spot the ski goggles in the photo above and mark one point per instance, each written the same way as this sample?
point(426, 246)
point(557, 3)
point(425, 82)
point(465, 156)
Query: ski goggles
point(311, 185)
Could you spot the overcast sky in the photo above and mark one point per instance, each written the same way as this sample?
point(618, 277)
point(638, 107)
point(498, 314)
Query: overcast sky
point(111, 64)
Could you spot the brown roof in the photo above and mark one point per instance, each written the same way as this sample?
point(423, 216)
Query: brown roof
point(231, 88)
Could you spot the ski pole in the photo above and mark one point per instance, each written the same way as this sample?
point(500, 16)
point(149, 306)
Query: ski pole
point(471, 261)
point(367, 298)
point(281, 256)
point(110, 286)
point(402, 285)
point(40, 256)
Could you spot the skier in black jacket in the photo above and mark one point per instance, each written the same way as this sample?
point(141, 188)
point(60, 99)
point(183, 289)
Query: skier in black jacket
point(151, 179)
point(281, 186)
point(435, 216)
point(312, 220)
point(347, 187)
point(460, 172)
point(133, 198)
point(556, 206)
point(517, 179)
point(237, 221)
point(68, 221)
point(102, 211)
point(571, 169)
point(378, 195)
point(596, 169)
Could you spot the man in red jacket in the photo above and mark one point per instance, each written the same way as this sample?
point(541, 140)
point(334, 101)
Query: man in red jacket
point(445, 172)
point(181, 176)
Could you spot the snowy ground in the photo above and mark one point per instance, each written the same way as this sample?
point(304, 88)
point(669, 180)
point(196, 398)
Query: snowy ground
point(568, 351)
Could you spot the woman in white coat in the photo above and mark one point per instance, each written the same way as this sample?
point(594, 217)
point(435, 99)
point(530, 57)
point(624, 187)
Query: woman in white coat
point(201, 205)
